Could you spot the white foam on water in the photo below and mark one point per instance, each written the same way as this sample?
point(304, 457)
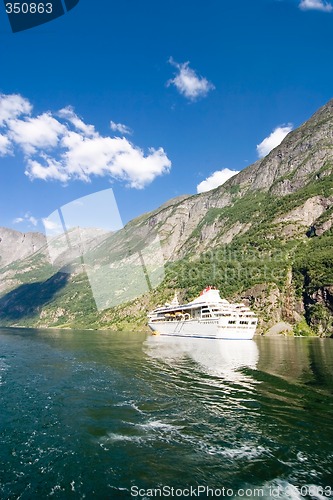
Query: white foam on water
point(158, 425)
point(55, 489)
point(114, 437)
point(117, 488)
point(301, 457)
point(241, 453)
point(248, 452)
point(3, 365)
point(131, 404)
point(135, 407)
point(150, 431)
point(3, 368)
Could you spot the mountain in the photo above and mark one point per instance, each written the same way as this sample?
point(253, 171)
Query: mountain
point(264, 237)
point(17, 246)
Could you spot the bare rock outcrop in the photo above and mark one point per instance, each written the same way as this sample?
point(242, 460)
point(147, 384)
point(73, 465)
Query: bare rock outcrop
point(16, 246)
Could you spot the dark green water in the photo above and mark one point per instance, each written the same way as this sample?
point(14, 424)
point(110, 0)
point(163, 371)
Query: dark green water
point(100, 415)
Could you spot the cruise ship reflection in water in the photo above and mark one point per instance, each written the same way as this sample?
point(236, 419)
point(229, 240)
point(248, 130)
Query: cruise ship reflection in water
point(222, 358)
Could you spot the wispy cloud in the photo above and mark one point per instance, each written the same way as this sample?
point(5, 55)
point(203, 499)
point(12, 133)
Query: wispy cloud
point(26, 218)
point(4, 145)
point(69, 114)
point(12, 106)
point(216, 179)
point(119, 127)
point(316, 5)
point(188, 83)
point(52, 227)
point(61, 146)
point(273, 140)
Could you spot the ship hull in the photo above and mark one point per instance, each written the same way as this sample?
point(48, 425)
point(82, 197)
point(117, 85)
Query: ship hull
point(212, 329)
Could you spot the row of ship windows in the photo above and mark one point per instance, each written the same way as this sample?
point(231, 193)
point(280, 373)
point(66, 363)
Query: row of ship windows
point(233, 322)
point(208, 315)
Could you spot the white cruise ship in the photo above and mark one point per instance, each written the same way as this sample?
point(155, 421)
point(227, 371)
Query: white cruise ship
point(207, 316)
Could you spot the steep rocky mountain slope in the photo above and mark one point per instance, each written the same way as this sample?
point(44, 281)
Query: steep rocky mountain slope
point(15, 245)
point(265, 236)
point(304, 157)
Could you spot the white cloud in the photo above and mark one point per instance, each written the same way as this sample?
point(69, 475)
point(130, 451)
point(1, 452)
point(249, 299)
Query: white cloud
point(102, 156)
point(62, 147)
point(42, 132)
point(33, 220)
point(119, 127)
point(316, 5)
point(50, 225)
point(188, 83)
point(50, 169)
point(12, 106)
point(273, 140)
point(26, 218)
point(216, 179)
point(69, 114)
point(4, 145)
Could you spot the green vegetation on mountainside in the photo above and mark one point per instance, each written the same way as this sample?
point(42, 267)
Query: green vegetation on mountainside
point(270, 244)
point(260, 255)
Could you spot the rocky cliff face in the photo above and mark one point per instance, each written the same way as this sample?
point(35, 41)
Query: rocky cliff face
point(305, 156)
point(288, 167)
point(16, 246)
point(267, 231)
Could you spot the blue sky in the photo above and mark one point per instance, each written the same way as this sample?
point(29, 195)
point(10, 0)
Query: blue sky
point(152, 98)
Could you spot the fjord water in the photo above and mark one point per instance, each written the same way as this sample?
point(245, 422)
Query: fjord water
point(99, 415)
